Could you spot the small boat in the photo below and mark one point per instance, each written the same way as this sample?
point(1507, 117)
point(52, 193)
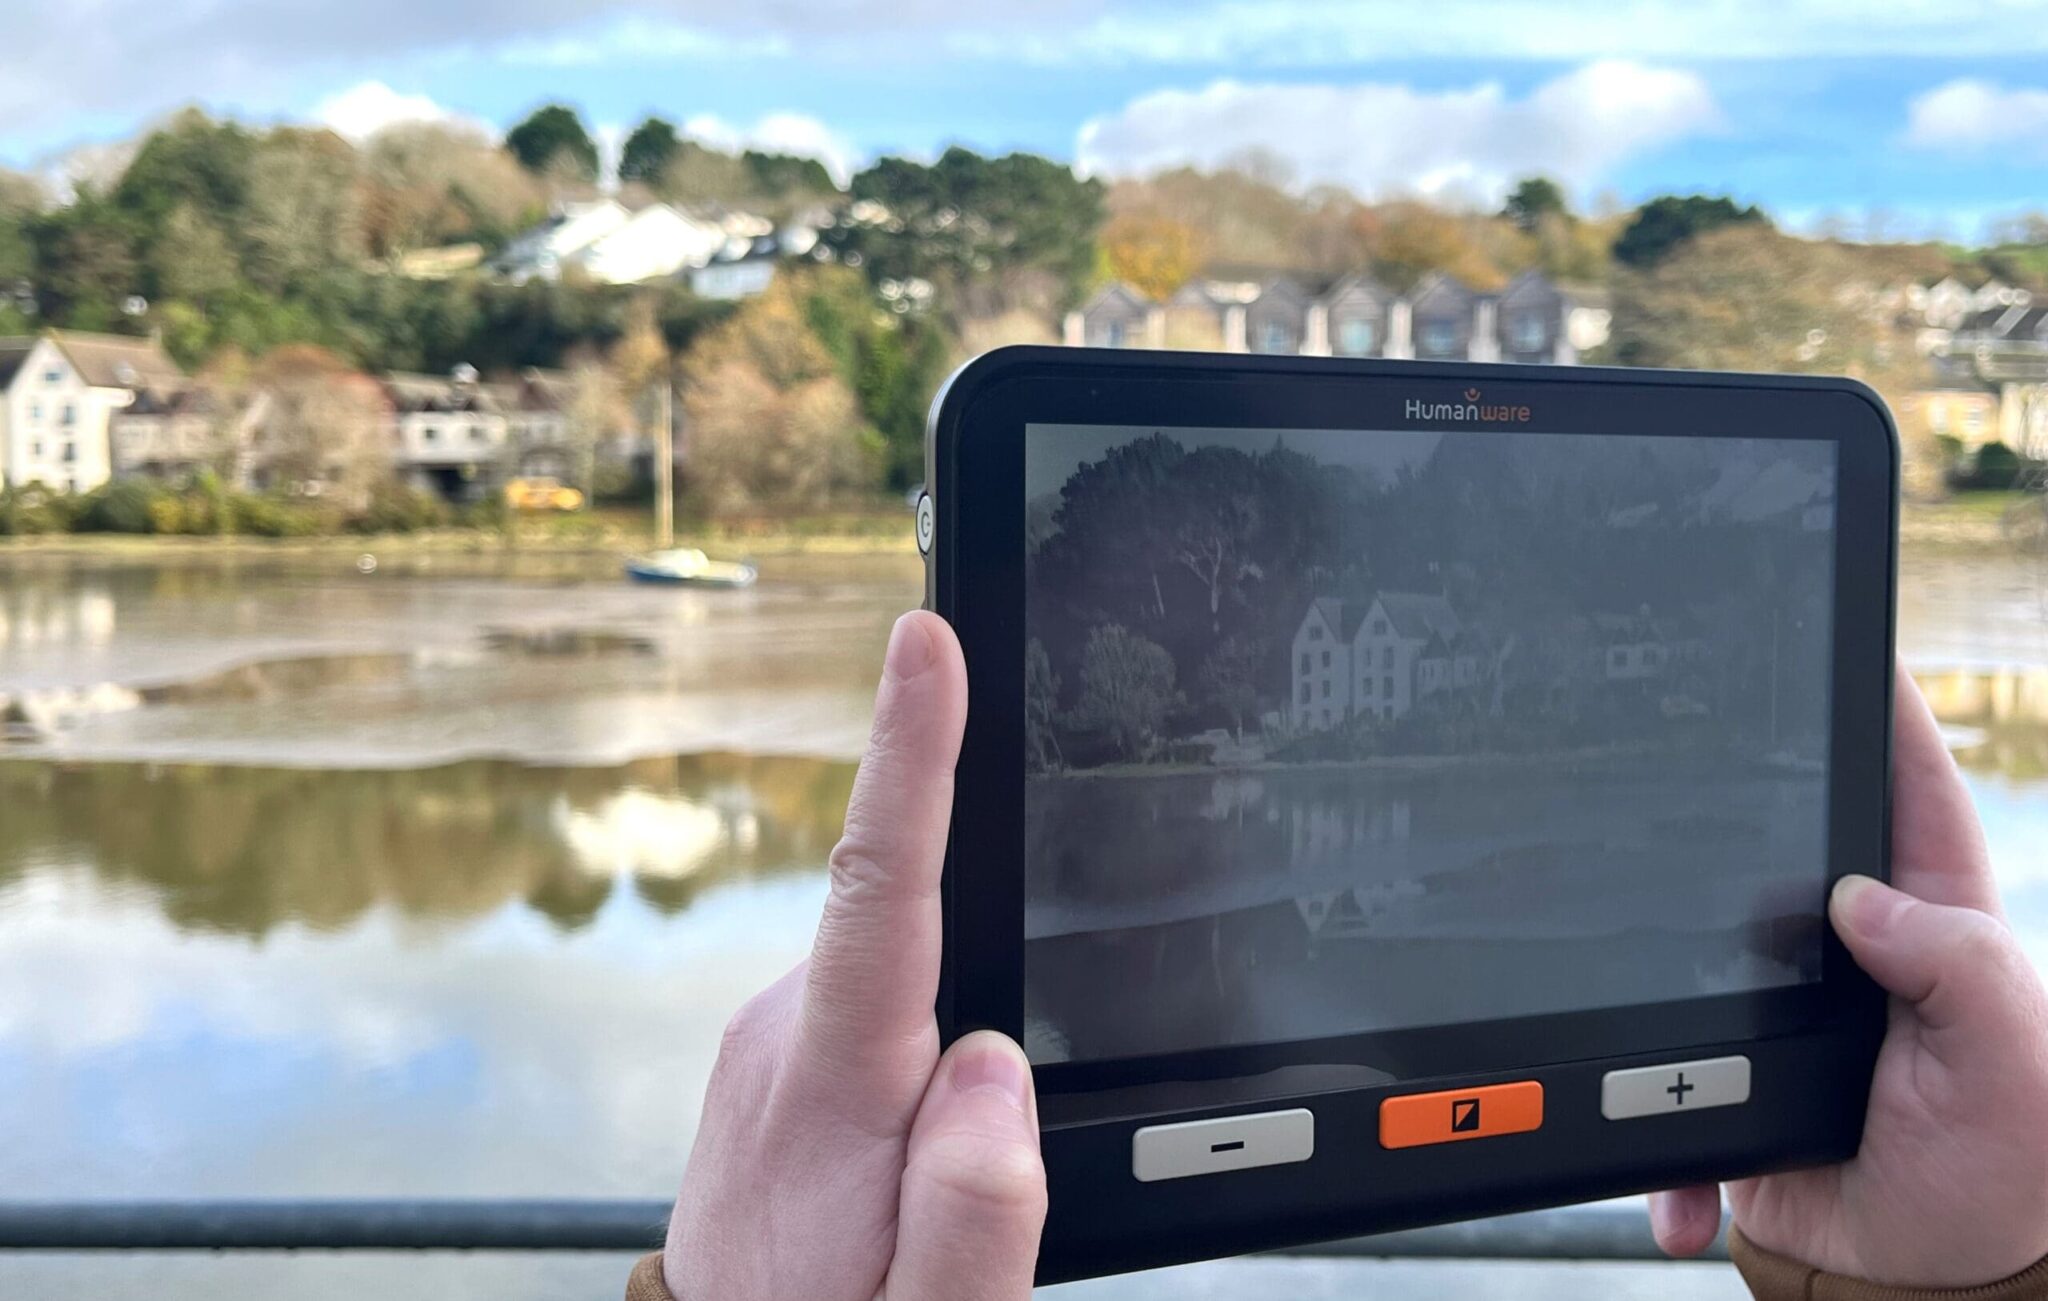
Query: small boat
point(689, 567)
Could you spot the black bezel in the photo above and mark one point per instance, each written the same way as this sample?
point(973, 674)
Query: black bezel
point(975, 578)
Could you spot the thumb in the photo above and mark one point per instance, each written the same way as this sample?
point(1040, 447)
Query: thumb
point(973, 1198)
point(1969, 985)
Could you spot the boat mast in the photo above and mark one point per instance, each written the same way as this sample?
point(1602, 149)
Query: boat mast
point(665, 468)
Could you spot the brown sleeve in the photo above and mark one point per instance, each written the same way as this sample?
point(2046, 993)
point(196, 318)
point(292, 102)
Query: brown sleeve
point(1775, 1278)
point(646, 1284)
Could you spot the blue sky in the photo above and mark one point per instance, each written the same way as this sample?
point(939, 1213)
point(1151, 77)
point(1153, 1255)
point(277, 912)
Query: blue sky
point(1935, 114)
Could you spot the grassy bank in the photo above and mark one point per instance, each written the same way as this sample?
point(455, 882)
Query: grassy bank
point(1976, 521)
point(600, 532)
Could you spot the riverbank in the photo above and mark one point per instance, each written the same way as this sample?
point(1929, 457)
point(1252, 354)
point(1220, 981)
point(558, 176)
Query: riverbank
point(598, 533)
point(1970, 521)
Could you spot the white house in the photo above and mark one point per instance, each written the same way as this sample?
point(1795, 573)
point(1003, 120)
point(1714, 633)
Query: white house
point(741, 273)
point(653, 243)
point(58, 393)
point(452, 433)
point(1377, 656)
point(540, 253)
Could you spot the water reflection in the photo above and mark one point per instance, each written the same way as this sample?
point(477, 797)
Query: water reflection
point(245, 850)
point(1999, 719)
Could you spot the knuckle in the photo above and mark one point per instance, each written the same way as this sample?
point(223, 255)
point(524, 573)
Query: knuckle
point(856, 871)
point(977, 1178)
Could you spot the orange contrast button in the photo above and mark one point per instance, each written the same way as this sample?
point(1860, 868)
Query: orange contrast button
point(1423, 1118)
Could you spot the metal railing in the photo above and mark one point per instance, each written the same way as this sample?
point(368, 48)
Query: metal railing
point(1595, 1233)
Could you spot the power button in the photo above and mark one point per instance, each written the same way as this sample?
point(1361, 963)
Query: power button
point(927, 523)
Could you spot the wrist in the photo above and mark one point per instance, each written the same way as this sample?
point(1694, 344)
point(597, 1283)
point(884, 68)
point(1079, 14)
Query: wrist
point(1775, 1276)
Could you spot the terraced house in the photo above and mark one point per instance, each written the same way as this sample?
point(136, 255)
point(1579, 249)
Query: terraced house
point(1531, 319)
point(59, 392)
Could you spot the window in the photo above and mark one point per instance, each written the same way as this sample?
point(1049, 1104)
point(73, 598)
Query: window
point(1304, 693)
point(1526, 332)
point(1355, 336)
point(69, 415)
point(35, 411)
point(1328, 718)
point(1379, 627)
point(1307, 661)
point(70, 456)
point(1315, 632)
point(1387, 687)
point(1973, 419)
point(476, 433)
point(1439, 338)
point(1326, 688)
point(1617, 659)
point(429, 434)
point(1113, 334)
point(53, 375)
point(35, 450)
point(1276, 336)
point(1326, 659)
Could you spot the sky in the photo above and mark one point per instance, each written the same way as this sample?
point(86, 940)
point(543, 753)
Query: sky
point(1931, 115)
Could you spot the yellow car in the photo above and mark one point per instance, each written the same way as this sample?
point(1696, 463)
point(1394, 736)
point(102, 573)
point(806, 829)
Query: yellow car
point(542, 494)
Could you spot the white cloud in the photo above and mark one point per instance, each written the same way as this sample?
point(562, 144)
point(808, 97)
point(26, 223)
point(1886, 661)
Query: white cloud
point(781, 133)
point(641, 40)
point(1383, 138)
point(1969, 115)
point(364, 109)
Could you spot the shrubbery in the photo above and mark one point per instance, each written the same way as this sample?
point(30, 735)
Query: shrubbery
point(206, 509)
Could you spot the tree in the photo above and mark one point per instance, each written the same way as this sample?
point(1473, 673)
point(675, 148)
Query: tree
point(1126, 689)
point(553, 137)
point(892, 361)
point(320, 426)
point(1041, 708)
point(1157, 255)
point(1229, 679)
point(771, 425)
point(84, 263)
point(1532, 201)
point(647, 153)
point(304, 213)
point(989, 233)
point(21, 199)
point(426, 184)
point(1416, 239)
point(191, 261)
point(1666, 222)
point(194, 160)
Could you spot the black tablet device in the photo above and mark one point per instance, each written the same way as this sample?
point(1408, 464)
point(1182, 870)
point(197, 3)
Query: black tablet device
point(1399, 792)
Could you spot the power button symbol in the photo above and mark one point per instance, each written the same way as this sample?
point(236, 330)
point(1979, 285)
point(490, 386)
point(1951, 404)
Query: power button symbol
point(927, 523)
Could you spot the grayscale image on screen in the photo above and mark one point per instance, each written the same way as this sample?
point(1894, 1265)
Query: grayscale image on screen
point(1331, 732)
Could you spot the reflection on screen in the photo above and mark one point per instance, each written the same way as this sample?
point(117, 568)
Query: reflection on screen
point(1338, 731)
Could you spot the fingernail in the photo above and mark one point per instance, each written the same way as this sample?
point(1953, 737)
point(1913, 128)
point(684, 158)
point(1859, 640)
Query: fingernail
point(1867, 906)
point(910, 648)
point(988, 1061)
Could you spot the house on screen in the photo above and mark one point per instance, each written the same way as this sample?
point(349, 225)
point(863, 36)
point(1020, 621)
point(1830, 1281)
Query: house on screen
point(58, 395)
point(1378, 656)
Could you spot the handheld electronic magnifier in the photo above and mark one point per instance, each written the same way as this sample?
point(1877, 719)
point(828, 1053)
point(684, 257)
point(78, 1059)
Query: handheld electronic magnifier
point(1400, 792)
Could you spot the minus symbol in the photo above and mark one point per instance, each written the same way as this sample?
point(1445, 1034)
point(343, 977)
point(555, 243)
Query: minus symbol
point(1236, 1145)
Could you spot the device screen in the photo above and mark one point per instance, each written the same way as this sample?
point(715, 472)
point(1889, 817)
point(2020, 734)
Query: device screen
point(1330, 732)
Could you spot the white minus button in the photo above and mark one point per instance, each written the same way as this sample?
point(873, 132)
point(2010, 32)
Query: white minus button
point(1679, 1086)
point(1207, 1147)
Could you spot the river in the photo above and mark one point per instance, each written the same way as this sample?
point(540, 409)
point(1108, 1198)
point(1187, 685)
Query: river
point(442, 880)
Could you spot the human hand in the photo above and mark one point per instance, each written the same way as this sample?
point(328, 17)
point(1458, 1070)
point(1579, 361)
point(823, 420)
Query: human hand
point(840, 1157)
point(1950, 1188)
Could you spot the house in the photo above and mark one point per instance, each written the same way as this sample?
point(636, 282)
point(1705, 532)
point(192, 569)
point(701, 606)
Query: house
point(1277, 320)
point(1378, 655)
point(738, 273)
point(651, 244)
point(1541, 321)
point(174, 435)
point(1451, 321)
point(610, 243)
point(541, 253)
point(1117, 317)
point(1208, 315)
point(451, 433)
point(2005, 349)
point(58, 393)
point(1360, 317)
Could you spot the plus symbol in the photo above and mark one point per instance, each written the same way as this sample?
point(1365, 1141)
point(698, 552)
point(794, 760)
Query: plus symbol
point(1680, 1089)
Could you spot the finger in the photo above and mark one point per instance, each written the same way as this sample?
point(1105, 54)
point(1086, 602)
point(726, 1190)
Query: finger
point(1960, 969)
point(1685, 1221)
point(973, 1193)
point(1938, 851)
point(867, 1010)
